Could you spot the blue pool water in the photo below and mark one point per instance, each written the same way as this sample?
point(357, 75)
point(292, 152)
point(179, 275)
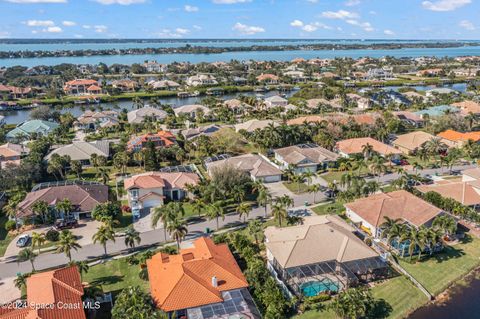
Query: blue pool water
point(314, 288)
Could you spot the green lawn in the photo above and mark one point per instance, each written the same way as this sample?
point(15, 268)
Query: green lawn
point(438, 272)
point(115, 275)
point(401, 295)
point(296, 188)
point(5, 238)
point(333, 176)
point(331, 208)
point(313, 314)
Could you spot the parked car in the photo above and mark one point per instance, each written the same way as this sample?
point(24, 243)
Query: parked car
point(23, 241)
point(65, 224)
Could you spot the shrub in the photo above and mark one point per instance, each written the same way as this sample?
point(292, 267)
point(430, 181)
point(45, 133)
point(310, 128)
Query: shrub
point(105, 211)
point(52, 235)
point(10, 225)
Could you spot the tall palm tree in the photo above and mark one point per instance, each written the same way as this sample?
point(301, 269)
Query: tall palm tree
point(314, 189)
point(65, 206)
point(178, 230)
point(243, 210)
point(27, 254)
point(132, 236)
point(38, 239)
point(308, 175)
point(215, 211)
point(279, 212)
point(40, 208)
point(198, 206)
point(66, 243)
point(82, 267)
point(103, 235)
point(103, 174)
point(254, 229)
point(445, 223)
point(11, 207)
point(367, 151)
point(166, 214)
point(264, 198)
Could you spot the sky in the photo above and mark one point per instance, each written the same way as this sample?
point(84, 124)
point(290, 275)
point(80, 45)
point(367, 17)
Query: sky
point(302, 19)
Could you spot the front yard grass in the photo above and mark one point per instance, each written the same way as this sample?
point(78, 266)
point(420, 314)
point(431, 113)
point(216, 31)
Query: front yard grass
point(441, 270)
point(5, 238)
point(296, 187)
point(330, 208)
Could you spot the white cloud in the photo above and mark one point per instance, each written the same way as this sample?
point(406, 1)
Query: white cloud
point(197, 27)
point(388, 32)
point(351, 3)
point(467, 25)
point(340, 14)
point(69, 23)
point(37, 1)
point(182, 31)
point(177, 33)
point(230, 1)
point(86, 26)
point(4, 34)
point(312, 1)
point(247, 29)
point(190, 8)
point(121, 2)
point(40, 23)
point(296, 23)
point(445, 5)
point(364, 25)
point(100, 28)
point(53, 30)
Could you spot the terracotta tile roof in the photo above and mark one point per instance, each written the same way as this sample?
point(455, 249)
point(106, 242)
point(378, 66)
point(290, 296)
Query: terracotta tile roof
point(342, 118)
point(468, 106)
point(397, 204)
point(161, 179)
point(254, 164)
point(296, 155)
point(355, 145)
point(81, 82)
point(53, 287)
point(467, 193)
point(162, 138)
point(455, 136)
point(263, 77)
point(186, 280)
point(412, 141)
point(472, 172)
point(252, 125)
point(83, 197)
point(10, 149)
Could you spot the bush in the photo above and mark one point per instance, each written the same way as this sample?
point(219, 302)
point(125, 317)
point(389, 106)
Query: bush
point(52, 235)
point(106, 211)
point(10, 225)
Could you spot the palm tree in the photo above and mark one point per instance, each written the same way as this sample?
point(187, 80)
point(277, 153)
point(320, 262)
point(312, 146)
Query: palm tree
point(65, 206)
point(27, 254)
point(21, 281)
point(445, 223)
point(215, 211)
point(367, 151)
point(103, 235)
point(166, 214)
point(198, 205)
point(279, 213)
point(82, 267)
point(308, 175)
point(418, 239)
point(94, 160)
point(315, 188)
point(11, 207)
point(254, 229)
point(377, 167)
point(38, 239)
point(66, 243)
point(103, 174)
point(178, 230)
point(243, 210)
point(40, 208)
point(264, 198)
point(132, 236)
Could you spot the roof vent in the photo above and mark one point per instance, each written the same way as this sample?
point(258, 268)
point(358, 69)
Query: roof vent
point(214, 281)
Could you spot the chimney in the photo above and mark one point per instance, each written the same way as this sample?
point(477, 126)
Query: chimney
point(214, 282)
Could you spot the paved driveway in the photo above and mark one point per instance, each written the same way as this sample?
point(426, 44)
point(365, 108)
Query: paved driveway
point(144, 223)
point(8, 291)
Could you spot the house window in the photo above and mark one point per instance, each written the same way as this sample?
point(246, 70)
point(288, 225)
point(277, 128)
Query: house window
point(134, 193)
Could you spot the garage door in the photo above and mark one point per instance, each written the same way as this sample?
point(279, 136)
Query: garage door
point(152, 202)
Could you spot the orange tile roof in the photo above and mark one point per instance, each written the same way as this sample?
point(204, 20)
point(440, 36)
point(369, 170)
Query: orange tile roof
point(455, 136)
point(463, 192)
point(355, 146)
point(81, 82)
point(166, 136)
point(397, 204)
point(185, 280)
point(57, 287)
point(161, 179)
point(468, 107)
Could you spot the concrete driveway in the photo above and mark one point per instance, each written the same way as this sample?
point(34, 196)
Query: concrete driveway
point(144, 223)
point(8, 291)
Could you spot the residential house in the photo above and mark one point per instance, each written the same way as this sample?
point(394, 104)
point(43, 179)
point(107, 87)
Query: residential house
point(151, 189)
point(369, 213)
point(409, 118)
point(322, 255)
point(268, 79)
point(192, 133)
point(159, 140)
point(192, 110)
point(253, 125)
point(415, 97)
point(52, 294)
point(361, 102)
point(164, 85)
point(84, 198)
point(411, 142)
point(29, 128)
point(82, 87)
point(386, 98)
point(296, 75)
point(91, 120)
point(430, 72)
point(15, 92)
point(140, 115)
point(12, 153)
point(256, 166)
point(467, 72)
point(349, 147)
point(153, 66)
point(437, 111)
point(125, 85)
point(458, 139)
point(201, 79)
point(275, 101)
point(236, 105)
point(304, 157)
point(203, 281)
point(380, 74)
point(440, 91)
point(468, 107)
point(82, 151)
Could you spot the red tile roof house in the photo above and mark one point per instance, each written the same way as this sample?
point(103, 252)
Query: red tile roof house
point(160, 139)
point(82, 87)
point(150, 189)
point(352, 146)
point(12, 153)
point(202, 282)
point(84, 198)
point(369, 213)
point(61, 288)
point(15, 92)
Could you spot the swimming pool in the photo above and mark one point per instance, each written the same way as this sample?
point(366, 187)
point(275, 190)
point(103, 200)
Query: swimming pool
point(314, 288)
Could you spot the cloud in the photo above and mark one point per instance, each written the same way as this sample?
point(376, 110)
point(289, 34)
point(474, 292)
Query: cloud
point(177, 33)
point(69, 23)
point(340, 14)
point(86, 26)
point(4, 34)
point(351, 3)
point(364, 25)
point(40, 23)
point(247, 29)
point(36, 1)
point(100, 28)
point(53, 30)
point(182, 31)
point(197, 27)
point(312, 1)
point(467, 25)
point(388, 32)
point(296, 23)
point(190, 8)
point(445, 5)
point(121, 2)
point(230, 1)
